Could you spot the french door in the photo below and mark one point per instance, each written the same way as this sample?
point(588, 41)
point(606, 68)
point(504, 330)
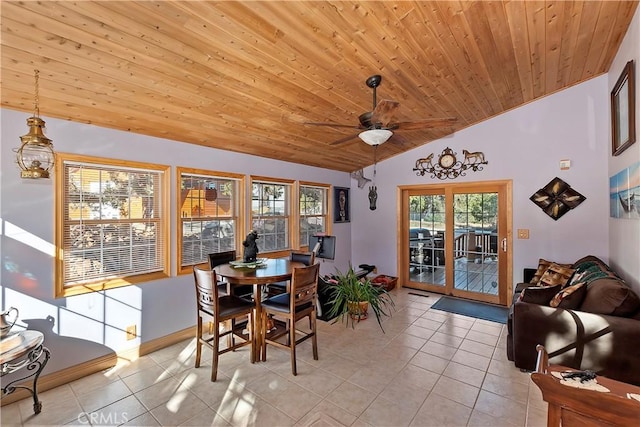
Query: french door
point(455, 239)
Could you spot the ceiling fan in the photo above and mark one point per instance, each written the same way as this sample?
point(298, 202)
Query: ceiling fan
point(378, 126)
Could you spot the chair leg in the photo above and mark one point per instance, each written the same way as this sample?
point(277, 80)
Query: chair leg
point(263, 325)
point(250, 327)
point(314, 338)
point(216, 345)
point(230, 338)
point(198, 342)
point(292, 341)
point(288, 326)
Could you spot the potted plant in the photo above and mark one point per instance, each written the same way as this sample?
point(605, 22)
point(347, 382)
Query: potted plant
point(352, 298)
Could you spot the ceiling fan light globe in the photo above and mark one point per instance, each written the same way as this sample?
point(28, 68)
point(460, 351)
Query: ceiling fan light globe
point(375, 136)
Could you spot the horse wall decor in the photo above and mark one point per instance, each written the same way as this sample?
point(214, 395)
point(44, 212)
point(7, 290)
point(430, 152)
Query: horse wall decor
point(448, 166)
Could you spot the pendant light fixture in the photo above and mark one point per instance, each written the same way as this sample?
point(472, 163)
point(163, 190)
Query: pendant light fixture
point(35, 157)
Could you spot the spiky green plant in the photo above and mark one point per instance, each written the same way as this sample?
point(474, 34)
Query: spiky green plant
point(350, 289)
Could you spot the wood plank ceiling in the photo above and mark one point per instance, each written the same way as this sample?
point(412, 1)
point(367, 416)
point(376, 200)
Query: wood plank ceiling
point(246, 76)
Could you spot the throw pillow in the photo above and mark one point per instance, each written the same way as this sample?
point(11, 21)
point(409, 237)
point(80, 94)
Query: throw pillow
point(610, 295)
point(543, 264)
point(570, 297)
point(540, 295)
point(556, 274)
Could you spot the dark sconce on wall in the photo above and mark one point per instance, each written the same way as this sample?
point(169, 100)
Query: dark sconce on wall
point(448, 166)
point(557, 198)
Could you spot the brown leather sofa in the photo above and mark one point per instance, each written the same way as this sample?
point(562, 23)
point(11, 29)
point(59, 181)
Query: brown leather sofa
point(600, 330)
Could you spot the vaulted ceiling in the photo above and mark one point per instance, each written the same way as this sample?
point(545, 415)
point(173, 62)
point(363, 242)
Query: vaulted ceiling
point(252, 77)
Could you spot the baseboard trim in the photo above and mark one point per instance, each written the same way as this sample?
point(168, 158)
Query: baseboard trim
point(72, 373)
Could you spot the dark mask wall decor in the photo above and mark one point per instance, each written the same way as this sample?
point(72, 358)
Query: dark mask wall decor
point(373, 196)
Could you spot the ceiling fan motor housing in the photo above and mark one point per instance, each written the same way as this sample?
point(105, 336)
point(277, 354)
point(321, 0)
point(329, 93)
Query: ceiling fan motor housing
point(365, 120)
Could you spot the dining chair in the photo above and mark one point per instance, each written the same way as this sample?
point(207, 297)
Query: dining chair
point(219, 258)
point(298, 303)
point(306, 258)
point(225, 309)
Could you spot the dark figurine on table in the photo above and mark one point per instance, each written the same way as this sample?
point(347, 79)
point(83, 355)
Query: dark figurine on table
point(251, 247)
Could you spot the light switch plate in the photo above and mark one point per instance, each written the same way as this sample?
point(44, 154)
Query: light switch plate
point(523, 233)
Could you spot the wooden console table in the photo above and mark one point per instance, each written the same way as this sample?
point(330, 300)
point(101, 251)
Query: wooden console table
point(571, 406)
point(23, 350)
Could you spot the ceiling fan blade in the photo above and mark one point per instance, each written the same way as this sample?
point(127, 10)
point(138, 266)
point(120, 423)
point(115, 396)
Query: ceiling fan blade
point(384, 112)
point(425, 124)
point(335, 125)
point(398, 139)
point(343, 140)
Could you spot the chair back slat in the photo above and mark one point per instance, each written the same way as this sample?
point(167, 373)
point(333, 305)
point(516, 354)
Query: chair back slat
point(206, 289)
point(304, 285)
point(219, 258)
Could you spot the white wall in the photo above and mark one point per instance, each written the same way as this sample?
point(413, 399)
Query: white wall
point(624, 242)
point(524, 145)
point(84, 327)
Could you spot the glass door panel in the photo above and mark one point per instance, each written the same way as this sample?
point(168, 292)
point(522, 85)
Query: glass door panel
point(454, 240)
point(475, 243)
point(426, 239)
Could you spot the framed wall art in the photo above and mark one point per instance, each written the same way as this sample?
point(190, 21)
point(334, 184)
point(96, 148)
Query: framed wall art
point(623, 111)
point(341, 204)
point(624, 193)
point(557, 198)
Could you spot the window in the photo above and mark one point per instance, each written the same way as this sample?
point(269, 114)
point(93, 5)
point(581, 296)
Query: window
point(270, 213)
point(313, 210)
point(111, 223)
point(208, 215)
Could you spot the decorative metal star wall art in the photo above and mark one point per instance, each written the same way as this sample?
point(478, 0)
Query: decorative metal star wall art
point(557, 198)
point(359, 176)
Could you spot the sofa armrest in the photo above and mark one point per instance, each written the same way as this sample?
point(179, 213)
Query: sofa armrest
point(602, 343)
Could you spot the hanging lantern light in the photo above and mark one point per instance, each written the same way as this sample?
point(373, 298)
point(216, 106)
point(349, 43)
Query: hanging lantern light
point(35, 157)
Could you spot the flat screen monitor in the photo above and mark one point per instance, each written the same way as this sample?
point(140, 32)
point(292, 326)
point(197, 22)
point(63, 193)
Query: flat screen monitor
point(326, 246)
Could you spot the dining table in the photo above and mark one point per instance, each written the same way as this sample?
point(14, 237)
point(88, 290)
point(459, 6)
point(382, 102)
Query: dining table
point(271, 271)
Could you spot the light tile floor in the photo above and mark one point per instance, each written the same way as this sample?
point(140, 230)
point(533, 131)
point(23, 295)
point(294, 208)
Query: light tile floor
point(429, 368)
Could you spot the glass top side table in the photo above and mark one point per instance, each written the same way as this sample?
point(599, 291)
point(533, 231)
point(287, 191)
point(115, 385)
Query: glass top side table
point(23, 350)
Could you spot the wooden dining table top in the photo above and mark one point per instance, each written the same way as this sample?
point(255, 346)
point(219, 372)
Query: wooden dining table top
point(275, 270)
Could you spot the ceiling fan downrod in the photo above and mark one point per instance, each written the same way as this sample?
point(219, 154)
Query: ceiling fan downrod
point(373, 82)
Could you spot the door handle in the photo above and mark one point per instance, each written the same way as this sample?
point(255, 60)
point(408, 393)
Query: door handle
point(504, 244)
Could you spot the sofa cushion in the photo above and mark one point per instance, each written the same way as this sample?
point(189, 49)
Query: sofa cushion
point(539, 294)
point(556, 274)
point(610, 295)
point(570, 297)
